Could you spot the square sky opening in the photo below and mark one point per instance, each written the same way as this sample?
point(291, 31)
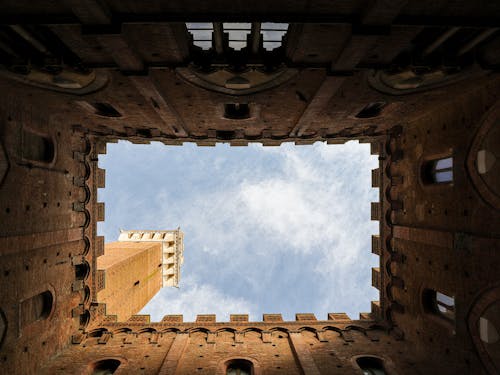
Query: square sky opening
point(266, 229)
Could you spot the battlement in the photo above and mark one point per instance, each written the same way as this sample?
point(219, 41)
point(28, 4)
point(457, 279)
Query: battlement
point(341, 318)
point(271, 328)
point(172, 242)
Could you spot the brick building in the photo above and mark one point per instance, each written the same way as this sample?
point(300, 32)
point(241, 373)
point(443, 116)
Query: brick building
point(417, 80)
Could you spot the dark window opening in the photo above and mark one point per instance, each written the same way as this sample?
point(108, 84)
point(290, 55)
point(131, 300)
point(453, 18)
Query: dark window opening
point(105, 367)
point(225, 134)
point(37, 148)
point(82, 271)
point(439, 304)
point(438, 171)
point(144, 133)
point(105, 109)
point(85, 319)
point(371, 110)
point(36, 308)
point(236, 111)
point(239, 367)
point(97, 333)
point(371, 366)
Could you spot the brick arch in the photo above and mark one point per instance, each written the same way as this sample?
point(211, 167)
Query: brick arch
point(387, 363)
point(122, 330)
point(147, 330)
point(308, 329)
point(332, 328)
point(281, 329)
point(252, 329)
point(226, 329)
point(172, 329)
point(486, 299)
point(122, 366)
point(489, 124)
point(98, 332)
point(355, 328)
point(221, 366)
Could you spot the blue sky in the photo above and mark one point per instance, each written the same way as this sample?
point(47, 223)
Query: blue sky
point(266, 229)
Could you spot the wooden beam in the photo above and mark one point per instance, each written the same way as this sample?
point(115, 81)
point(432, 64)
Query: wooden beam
point(166, 111)
point(354, 51)
point(174, 355)
point(118, 48)
point(90, 12)
point(382, 12)
point(318, 102)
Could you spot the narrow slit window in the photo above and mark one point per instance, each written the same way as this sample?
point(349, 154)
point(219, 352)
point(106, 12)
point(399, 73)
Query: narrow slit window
point(371, 110)
point(105, 110)
point(445, 305)
point(438, 171)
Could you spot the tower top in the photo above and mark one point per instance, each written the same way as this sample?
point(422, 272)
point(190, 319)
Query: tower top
point(172, 243)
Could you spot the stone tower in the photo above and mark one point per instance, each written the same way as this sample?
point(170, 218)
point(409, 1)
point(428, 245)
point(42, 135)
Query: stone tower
point(133, 269)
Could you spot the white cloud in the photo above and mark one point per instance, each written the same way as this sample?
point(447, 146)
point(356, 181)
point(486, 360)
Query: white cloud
point(195, 298)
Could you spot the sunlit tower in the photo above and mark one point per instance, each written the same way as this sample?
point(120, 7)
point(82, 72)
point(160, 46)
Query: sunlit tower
point(133, 269)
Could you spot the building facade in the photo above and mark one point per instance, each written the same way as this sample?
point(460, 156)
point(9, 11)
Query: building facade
point(417, 80)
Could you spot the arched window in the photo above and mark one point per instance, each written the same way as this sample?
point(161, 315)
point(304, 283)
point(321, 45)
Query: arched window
point(105, 367)
point(239, 367)
point(37, 148)
point(371, 366)
point(36, 308)
point(438, 171)
point(487, 331)
point(439, 304)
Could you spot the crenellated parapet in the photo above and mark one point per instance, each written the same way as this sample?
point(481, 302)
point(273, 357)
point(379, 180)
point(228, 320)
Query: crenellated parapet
point(172, 245)
point(238, 326)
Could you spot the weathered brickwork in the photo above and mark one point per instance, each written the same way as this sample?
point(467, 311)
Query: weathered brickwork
point(322, 347)
point(417, 80)
point(133, 276)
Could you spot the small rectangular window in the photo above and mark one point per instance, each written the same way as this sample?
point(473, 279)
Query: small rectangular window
point(438, 171)
point(202, 34)
point(445, 305)
point(439, 304)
